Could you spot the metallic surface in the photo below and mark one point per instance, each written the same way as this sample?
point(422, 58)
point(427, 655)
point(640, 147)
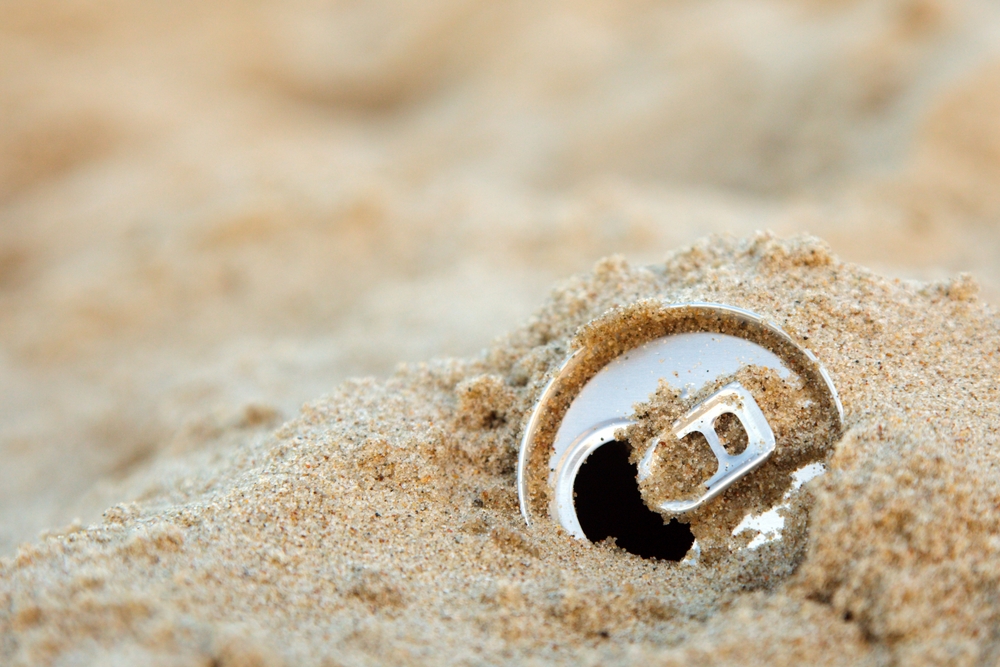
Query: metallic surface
point(687, 361)
point(732, 399)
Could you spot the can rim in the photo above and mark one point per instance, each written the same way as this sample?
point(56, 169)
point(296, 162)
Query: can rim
point(553, 385)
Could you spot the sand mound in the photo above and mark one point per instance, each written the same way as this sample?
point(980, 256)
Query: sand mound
point(381, 524)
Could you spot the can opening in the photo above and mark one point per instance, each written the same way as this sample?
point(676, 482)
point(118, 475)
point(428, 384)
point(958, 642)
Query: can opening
point(608, 504)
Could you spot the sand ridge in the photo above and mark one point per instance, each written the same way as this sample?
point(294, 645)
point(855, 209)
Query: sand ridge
point(381, 524)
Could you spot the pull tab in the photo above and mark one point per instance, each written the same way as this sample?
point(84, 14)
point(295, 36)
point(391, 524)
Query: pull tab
point(732, 399)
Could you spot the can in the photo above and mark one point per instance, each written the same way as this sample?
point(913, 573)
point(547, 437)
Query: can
point(706, 396)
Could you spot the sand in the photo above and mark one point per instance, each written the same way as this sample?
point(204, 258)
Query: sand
point(210, 210)
point(381, 525)
point(214, 213)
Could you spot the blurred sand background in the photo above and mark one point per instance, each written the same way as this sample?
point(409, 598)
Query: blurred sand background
point(211, 212)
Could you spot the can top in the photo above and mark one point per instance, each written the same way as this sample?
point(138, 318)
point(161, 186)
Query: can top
point(682, 350)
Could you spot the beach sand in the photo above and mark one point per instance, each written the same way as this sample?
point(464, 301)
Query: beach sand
point(212, 214)
point(381, 524)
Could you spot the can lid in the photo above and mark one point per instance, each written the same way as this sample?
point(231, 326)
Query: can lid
point(696, 358)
